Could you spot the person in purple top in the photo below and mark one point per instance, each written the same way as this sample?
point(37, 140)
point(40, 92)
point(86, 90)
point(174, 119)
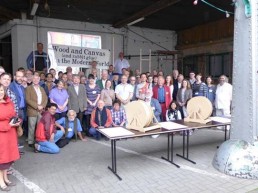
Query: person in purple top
point(93, 95)
point(59, 96)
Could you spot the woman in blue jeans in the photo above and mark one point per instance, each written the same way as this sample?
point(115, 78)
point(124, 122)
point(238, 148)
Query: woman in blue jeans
point(46, 133)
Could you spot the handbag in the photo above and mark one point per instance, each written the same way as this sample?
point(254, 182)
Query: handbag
point(19, 131)
point(62, 142)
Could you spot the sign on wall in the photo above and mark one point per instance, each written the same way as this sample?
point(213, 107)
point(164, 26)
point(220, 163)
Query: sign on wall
point(80, 56)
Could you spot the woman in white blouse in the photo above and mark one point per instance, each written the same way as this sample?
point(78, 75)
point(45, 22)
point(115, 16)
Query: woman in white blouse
point(169, 83)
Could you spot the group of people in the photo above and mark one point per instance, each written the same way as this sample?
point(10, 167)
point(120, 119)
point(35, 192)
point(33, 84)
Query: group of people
point(55, 108)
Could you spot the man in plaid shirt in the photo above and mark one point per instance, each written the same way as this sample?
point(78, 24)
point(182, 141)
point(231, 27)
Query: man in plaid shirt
point(118, 114)
point(5, 80)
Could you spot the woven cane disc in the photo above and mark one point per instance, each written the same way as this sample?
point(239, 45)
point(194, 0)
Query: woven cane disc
point(200, 105)
point(139, 114)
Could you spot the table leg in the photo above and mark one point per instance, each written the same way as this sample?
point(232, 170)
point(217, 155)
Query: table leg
point(170, 150)
point(187, 148)
point(225, 139)
point(113, 158)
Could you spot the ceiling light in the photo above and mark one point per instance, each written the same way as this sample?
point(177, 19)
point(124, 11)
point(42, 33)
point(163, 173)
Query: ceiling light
point(34, 9)
point(136, 21)
point(46, 6)
point(195, 2)
point(227, 15)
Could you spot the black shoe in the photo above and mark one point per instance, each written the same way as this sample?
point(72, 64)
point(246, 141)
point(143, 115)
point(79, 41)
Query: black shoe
point(31, 145)
point(106, 139)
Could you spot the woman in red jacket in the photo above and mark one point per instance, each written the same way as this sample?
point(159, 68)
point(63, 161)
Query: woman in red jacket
point(8, 139)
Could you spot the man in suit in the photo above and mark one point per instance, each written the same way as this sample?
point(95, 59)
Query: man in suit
point(102, 82)
point(36, 100)
point(133, 83)
point(177, 85)
point(115, 81)
point(161, 92)
point(77, 97)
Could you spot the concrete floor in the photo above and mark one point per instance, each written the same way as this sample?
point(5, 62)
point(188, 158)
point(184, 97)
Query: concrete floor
point(82, 167)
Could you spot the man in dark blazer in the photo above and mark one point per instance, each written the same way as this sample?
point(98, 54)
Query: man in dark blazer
point(177, 85)
point(116, 80)
point(102, 82)
point(77, 97)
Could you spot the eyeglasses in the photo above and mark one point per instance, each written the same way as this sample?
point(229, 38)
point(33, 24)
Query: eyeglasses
point(132, 80)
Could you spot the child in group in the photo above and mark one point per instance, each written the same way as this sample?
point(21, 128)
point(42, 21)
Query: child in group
point(173, 113)
point(118, 114)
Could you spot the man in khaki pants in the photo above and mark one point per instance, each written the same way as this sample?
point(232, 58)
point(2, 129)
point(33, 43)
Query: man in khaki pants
point(36, 100)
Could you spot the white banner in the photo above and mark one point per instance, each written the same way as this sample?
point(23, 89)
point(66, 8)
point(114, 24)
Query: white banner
point(81, 57)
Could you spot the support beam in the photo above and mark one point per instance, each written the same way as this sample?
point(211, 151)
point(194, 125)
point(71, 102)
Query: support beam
point(159, 5)
point(238, 156)
point(10, 14)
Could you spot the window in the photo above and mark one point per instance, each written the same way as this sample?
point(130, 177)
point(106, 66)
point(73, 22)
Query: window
point(214, 65)
point(70, 39)
point(220, 64)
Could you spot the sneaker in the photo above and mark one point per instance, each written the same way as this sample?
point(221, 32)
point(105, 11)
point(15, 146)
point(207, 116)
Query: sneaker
point(154, 136)
point(20, 146)
point(31, 145)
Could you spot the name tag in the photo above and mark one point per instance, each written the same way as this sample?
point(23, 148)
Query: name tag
point(153, 108)
point(94, 92)
point(70, 129)
point(210, 90)
point(196, 93)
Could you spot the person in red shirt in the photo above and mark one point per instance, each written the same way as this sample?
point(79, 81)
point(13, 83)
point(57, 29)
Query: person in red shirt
point(8, 139)
point(162, 93)
point(46, 133)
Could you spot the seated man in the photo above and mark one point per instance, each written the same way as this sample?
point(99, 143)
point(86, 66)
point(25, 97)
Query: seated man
point(154, 103)
point(100, 118)
point(72, 127)
point(118, 114)
point(46, 133)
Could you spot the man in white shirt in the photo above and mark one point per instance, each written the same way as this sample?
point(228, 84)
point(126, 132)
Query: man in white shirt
point(223, 97)
point(124, 91)
point(121, 63)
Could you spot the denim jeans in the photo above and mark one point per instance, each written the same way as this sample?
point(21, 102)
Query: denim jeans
point(51, 147)
point(95, 133)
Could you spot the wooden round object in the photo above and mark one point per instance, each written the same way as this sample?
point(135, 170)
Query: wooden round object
point(200, 105)
point(138, 114)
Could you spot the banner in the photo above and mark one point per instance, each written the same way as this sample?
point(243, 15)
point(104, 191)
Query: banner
point(80, 57)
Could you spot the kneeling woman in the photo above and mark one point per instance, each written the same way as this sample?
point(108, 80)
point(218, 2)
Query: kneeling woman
point(46, 133)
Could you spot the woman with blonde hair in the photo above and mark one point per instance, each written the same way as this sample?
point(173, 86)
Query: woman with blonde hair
point(184, 94)
point(169, 83)
point(108, 94)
